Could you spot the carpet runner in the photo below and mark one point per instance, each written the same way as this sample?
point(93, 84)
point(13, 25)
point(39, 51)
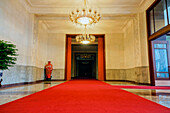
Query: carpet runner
point(83, 96)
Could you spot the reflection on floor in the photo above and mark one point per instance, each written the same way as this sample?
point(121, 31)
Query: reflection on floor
point(14, 93)
point(122, 83)
point(159, 96)
point(9, 94)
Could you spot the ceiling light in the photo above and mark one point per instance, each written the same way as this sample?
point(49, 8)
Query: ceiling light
point(85, 16)
point(85, 38)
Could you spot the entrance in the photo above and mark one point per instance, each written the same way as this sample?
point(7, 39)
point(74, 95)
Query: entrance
point(85, 61)
point(85, 66)
point(84, 69)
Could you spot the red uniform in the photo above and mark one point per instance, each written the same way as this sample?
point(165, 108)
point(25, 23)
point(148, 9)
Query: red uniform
point(49, 68)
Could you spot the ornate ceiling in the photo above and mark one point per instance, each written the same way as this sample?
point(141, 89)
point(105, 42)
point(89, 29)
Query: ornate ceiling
point(115, 14)
point(65, 6)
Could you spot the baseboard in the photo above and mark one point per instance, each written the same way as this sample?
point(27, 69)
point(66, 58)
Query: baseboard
point(138, 83)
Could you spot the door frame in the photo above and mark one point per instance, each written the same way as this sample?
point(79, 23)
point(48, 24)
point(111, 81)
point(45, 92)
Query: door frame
point(67, 61)
point(152, 37)
point(168, 56)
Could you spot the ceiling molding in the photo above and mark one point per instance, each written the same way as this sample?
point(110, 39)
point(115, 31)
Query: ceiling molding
point(53, 27)
point(104, 17)
point(75, 6)
point(141, 3)
point(145, 5)
point(115, 10)
point(104, 9)
point(26, 5)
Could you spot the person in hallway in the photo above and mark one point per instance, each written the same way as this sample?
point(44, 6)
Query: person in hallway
point(48, 69)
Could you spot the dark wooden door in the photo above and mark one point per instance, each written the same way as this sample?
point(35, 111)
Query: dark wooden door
point(85, 69)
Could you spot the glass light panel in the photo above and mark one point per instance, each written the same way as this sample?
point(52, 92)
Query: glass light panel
point(85, 42)
point(162, 75)
point(161, 60)
point(159, 45)
point(160, 15)
point(84, 20)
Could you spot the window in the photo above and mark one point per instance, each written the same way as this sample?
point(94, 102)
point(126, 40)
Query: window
point(159, 16)
point(161, 57)
point(168, 6)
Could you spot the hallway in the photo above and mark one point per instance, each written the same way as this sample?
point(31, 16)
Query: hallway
point(101, 56)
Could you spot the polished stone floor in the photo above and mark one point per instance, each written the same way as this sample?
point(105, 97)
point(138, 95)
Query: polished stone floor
point(14, 93)
point(9, 94)
point(159, 96)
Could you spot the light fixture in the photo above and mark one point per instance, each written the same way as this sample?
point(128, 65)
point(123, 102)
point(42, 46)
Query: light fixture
point(85, 16)
point(85, 38)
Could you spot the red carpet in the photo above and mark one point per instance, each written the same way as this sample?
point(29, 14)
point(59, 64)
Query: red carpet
point(83, 96)
point(143, 87)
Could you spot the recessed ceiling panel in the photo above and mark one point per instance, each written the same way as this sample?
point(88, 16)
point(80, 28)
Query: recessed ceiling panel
point(79, 3)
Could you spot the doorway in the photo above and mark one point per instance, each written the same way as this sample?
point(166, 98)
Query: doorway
point(95, 67)
point(84, 64)
point(161, 60)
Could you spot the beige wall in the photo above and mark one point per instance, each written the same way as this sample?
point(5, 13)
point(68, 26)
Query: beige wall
point(56, 49)
point(56, 53)
point(16, 26)
point(114, 43)
point(42, 47)
point(143, 38)
point(129, 55)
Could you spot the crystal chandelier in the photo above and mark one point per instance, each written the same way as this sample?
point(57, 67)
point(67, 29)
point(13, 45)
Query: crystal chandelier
point(85, 16)
point(85, 38)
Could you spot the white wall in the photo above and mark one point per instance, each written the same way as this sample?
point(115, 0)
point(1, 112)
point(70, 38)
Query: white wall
point(114, 43)
point(129, 61)
point(143, 38)
point(56, 49)
point(16, 26)
point(42, 47)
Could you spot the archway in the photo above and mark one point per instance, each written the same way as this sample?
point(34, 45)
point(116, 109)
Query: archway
point(101, 57)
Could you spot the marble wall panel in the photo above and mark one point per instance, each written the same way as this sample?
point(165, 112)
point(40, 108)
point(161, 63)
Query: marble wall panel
point(137, 74)
point(20, 74)
point(58, 74)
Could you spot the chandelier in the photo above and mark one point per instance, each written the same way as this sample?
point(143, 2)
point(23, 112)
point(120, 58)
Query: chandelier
point(85, 38)
point(84, 16)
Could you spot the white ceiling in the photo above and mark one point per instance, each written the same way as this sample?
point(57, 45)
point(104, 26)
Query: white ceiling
point(64, 6)
point(77, 3)
point(54, 14)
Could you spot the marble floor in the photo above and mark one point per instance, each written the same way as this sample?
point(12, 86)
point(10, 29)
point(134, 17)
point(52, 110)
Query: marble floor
point(9, 94)
point(120, 83)
point(14, 93)
point(159, 96)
